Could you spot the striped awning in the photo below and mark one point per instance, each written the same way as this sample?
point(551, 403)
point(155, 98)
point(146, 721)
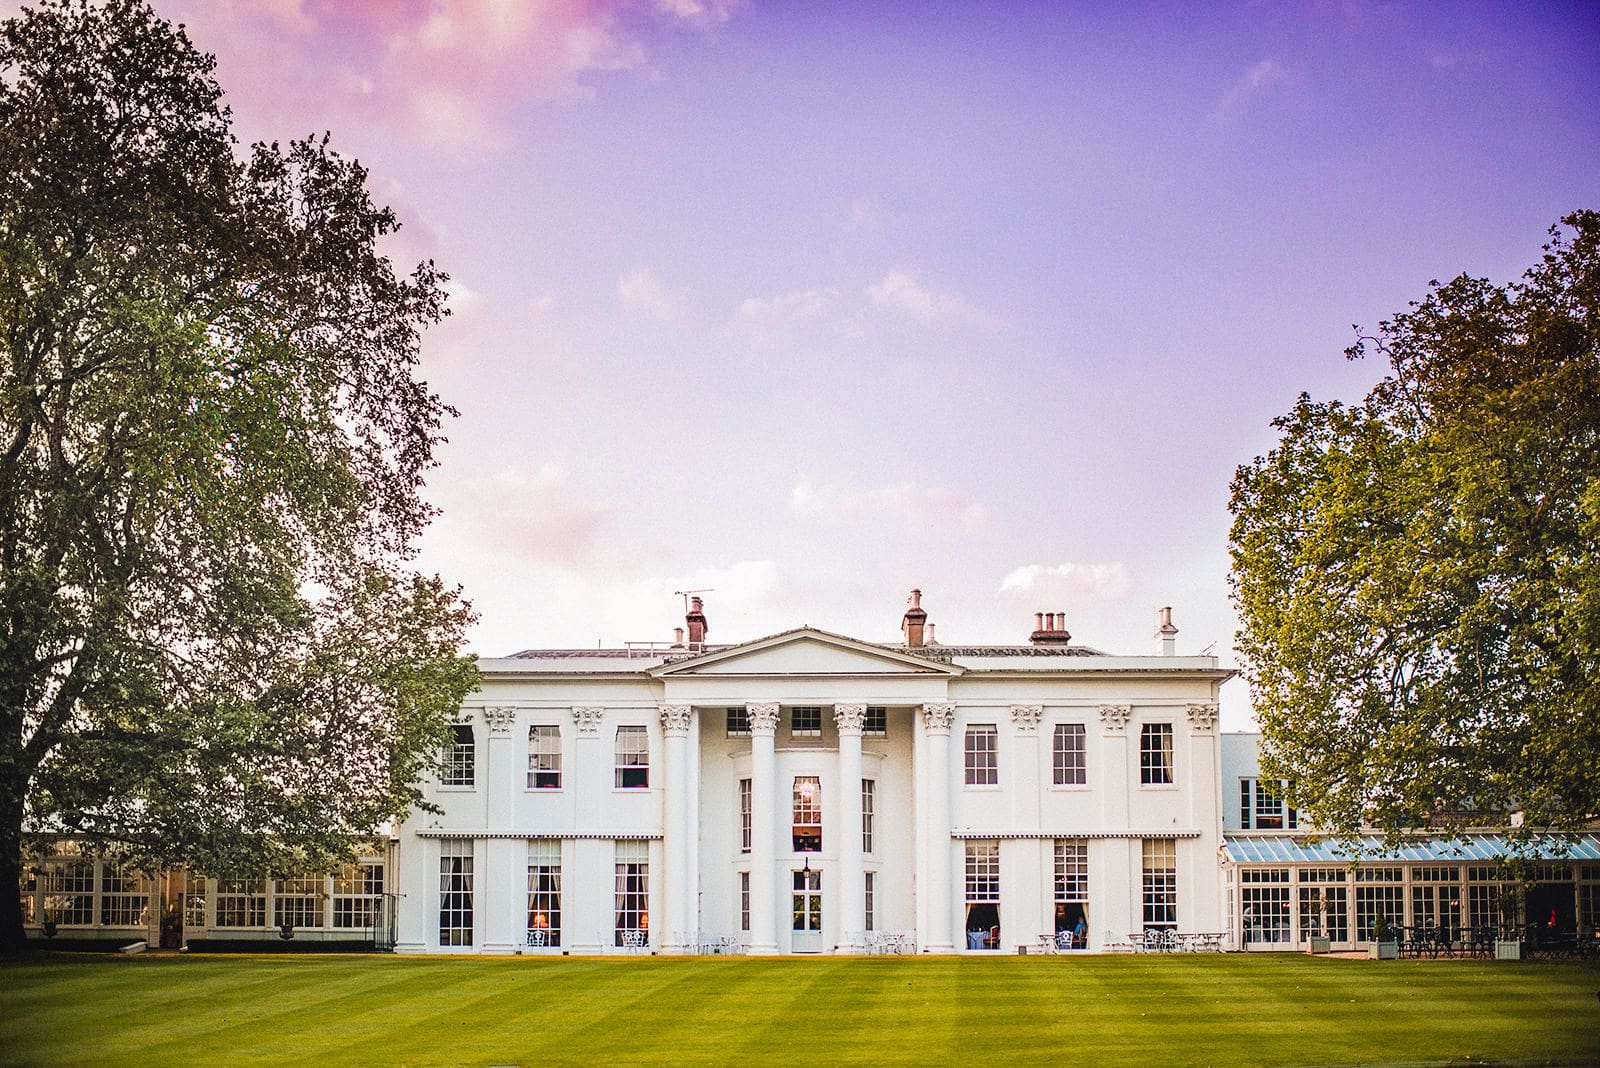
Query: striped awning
point(1287, 849)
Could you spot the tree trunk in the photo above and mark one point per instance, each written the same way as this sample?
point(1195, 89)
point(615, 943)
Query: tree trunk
point(12, 937)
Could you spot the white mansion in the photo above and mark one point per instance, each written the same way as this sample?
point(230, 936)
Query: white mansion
point(809, 792)
point(813, 793)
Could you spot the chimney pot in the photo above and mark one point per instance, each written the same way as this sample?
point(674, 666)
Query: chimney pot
point(696, 620)
point(928, 630)
point(1167, 632)
point(912, 624)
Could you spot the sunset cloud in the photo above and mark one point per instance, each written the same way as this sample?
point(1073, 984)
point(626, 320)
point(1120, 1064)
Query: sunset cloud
point(641, 291)
point(1078, 582)
point(901, 291)
point(900, 500)
point(444, 75)
point(1252, 84)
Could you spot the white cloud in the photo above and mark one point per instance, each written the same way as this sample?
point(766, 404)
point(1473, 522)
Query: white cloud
point(642, 291)
point(1254, 82)
point(463, 300)
point(1079, 582)
point(541, 515)
point(901, 500)
point(763, 320)
point(699, 10)
point(900, 290)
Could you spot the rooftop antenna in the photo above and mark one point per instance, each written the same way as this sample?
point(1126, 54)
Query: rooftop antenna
point(685, 595)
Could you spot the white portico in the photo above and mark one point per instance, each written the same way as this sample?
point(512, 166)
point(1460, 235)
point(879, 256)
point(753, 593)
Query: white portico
point(811, 792)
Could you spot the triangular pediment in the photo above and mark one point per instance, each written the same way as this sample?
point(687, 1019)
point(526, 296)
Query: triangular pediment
point(804, 652)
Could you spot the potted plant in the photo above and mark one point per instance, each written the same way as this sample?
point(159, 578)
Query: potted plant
point(1508, 939)
point(1385, 944)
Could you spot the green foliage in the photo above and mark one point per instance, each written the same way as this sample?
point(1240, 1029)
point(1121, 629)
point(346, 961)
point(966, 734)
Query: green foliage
point(1418, 575)
point(212, 445)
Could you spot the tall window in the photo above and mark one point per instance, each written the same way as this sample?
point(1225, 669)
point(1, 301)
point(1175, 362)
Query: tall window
point(633, 758)
point(983, 895)
point(745, 808)
point(1378, 893)
point(807, 901)
point(633, 894)
point(544, 757)
point(241, 903)
point(69, 886)
point(1067, 755)
point(738, 721)
point(194, 899)
point(744, 901)
point(298, 902)
point(1072, 886)
point(1324, 904)
point(982, 755)
point(455, 891)
point(544, 892)
point(1160, 882)
point(357, 891)
point(1155, 754)
point(807, 814)
point(1264, 894)
point(869, 812)
point(124, 896)
point(1263, 809)
point(876, 724)
point(805, 721)
point(461, 768)
point(869, 902)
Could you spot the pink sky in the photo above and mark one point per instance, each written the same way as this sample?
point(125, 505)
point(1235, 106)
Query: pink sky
point(811, 304)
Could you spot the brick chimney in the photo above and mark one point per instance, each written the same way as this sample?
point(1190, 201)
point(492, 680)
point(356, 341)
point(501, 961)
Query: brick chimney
point(915, 618)
point(696, 619)
point(1167, 632)
point(1049, 628)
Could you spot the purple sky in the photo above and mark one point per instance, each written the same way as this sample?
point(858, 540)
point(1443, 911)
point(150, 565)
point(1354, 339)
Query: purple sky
point(813, 303)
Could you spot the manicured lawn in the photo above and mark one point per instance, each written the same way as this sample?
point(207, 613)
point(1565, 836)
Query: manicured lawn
point(1085, 1010)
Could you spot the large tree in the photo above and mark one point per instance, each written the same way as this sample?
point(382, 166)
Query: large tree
point(1418, 574)
point(212, 444)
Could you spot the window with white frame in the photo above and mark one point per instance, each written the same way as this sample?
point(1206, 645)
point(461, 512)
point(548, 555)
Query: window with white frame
point(1264, 894)
point(297, 902)
point(455, 891)
point(738, 722)
point(241, 903)
point(358, 894)
point(869, 813)
point(745, 815)
point(876, 724)
point(544, 892)
point(805, 721)
point(28, 888)
point(460, 767)
point(1068, 758)
point(194, 900)
point(633, 894)
point(544, 757)
point(982, 755)
point(1324, 904)
point(1155, 754)
point(124, 896)
point(69, 886)
point(807, 814)
point(869, 904)
point(1436, 898)
point(1379, 894)
point(1071, 889)
point(633, 758)
point(983, 895)
point(1263, 809)
point(1160, 882)
point(744, 901)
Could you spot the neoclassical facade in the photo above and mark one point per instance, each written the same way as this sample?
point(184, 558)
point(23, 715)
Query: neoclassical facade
point(809, 792)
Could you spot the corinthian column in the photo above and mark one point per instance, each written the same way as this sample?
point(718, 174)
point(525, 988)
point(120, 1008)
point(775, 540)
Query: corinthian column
point(680, 925)
point(763, 828)
point(933, 827)
point(852, 883)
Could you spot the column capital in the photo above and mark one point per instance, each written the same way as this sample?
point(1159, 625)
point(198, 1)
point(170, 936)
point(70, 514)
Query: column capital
point(1202, 716)
point(1025, 718)
point(500, 720)
point(763, 717)
point(675, 720)
point(850, 719)
point(936, 718)
point(1114, 718)
point(588, 719)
